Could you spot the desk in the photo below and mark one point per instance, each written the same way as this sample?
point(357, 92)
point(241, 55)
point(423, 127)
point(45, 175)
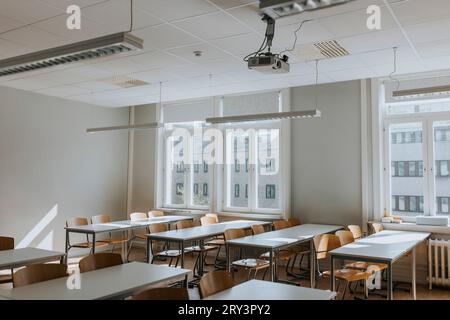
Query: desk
point(199, 234)
point(108, 283)
point(265, 290)
point(281, 239)
point(387, 247)
point(16, 258)
point(119, 226)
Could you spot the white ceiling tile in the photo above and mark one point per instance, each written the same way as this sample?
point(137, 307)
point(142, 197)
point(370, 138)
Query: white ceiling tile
point(170, 10)
point(208, 53)
point(119, 66)
point(240, 45)
point(434, 49)
point(155, 59)
point(34, 38)
point(228, 4)
point(63, 91)
point(187, 70)
point(429, 31)
point(310, 32)
point(63, 4)
point(165, 37)
point(28, 11)
point(91, 72)
point(8, 23)
point(30, 84)
point(10, 49)
point(419, 11)
point(219, 25)
point(154, 76)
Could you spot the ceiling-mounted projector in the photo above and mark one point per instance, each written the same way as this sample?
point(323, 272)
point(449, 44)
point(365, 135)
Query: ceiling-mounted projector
point(283, 8)
point(269, 63)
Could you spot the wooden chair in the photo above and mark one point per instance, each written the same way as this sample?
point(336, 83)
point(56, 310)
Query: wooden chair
point(257, 229)
point(213, 215)
point(280, 224)
point(163, 294)
point(214, 282)
point(252, 265)
point(345, 237)
point(154, 214)
point(356, 231)
point(195, 248)
point(81, 221)
point(99, 261)
point(38, 273)
point(161, 249)
point(137, 235)
point(113, 241)
point(294, 222)
point(206, 221)
point(376, 227)
point(6, 243)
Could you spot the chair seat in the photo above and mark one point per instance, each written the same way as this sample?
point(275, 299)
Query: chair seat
point(200, 249)
point(252, 263)
point(100, 243)
point(281, 255)
point(349, 275)
point(217, 242)
point(301, 248)
point(169, 253)
point(365, 265)
point(118, 240)
point(5, 278)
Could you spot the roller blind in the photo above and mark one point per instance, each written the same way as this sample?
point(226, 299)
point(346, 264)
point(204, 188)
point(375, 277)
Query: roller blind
point(188, 111)
point(266, 102)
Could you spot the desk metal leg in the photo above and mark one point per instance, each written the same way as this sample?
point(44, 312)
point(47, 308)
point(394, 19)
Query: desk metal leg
point(332, 278)
point(389, 282)
point(227, 249)
point(271, 268)
point(93, 243)
point(413, 270)
point(147, 249)
point(200, 259)
point(182, 254)
point(66, 257)
point(312, 258)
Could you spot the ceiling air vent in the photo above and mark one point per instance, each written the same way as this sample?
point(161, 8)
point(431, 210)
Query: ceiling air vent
point(321, 50)
point(125, 82)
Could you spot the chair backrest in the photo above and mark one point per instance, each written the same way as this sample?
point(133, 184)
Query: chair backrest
point(38, 273)
point(163, 294)
point(6, 243)
point(138, 216)
point(77, 221)
point(99, 261)
point(184, 224)
point(158, 246)
point(280, 224)
point(206, 221)
point(294, 222)
point(328, 242)
point(213, 215)
point(214, 282)
point(154, 214)
point(345, 237)
point(356, 231)
point(377, 227)
point(257, 229)
point(231, 234)
point(101, 218)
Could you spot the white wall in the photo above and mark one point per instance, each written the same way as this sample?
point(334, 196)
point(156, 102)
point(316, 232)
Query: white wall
point(144, 161)
point(51, 169)
point(326, 155)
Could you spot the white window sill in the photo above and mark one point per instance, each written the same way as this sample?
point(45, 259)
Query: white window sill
point(260, 216)
point(183, 211)
point(410, 226)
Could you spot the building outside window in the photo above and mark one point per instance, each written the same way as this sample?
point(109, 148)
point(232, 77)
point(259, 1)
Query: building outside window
point(270, 191)
point(236, 191)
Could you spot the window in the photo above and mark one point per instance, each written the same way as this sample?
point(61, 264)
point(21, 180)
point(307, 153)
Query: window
point(254, 155)
point(205, 167)
point(417, 160)
point(270, 191)
point(236, 191)
point(185, 147)
point(195, 188)
point(205, 189)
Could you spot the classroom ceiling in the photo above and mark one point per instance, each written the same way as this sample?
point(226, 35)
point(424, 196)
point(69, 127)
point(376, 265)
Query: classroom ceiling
point(225, 31)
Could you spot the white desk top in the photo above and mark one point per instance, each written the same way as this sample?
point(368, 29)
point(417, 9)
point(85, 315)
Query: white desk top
point(203, 232)
point(106, 283)
point(125, 224)
point(266, 290)
point(280, 238)
point(387, 245)
point(21, 257)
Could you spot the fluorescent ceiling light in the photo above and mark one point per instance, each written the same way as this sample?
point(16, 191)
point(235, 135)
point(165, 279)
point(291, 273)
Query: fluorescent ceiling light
point(421, 92)
point(283, 8)
point(119, 43)
point(144, 126)
point(266, 116)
